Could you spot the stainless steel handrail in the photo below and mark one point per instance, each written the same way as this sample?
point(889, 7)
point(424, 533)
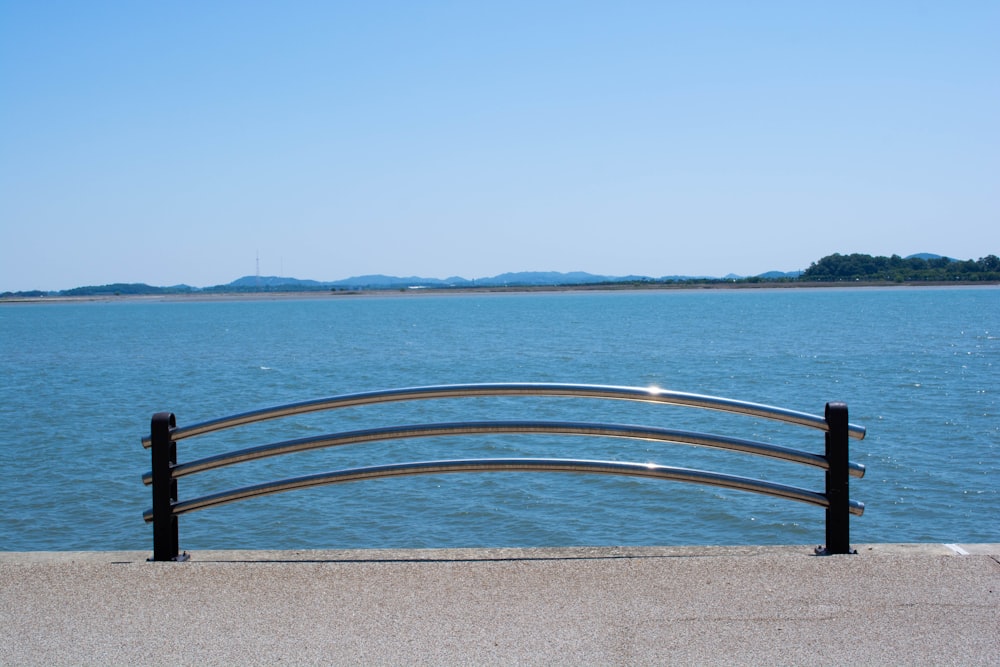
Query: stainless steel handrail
point(164, 435)
point(643, 394)
point(497, 427)
point(651, 470)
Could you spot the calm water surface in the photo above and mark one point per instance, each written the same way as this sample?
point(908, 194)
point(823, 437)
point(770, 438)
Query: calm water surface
point(917, 366)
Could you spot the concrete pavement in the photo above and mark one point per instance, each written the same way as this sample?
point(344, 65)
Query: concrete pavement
point(889, 604)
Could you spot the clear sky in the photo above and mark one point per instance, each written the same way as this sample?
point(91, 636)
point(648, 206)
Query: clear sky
point(174, 142)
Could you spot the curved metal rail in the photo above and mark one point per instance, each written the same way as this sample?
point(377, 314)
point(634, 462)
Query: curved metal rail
point(165, 472)
point(651, 470)
point(506, 427)
point(642, 394)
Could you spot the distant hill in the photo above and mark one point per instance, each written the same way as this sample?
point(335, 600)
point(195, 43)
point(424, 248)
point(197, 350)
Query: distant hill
point(924, 267)
point(381, 281)
point(920, 267)
point(775, 275)
point(271, 281)
point(549, 278)
point(120, 289)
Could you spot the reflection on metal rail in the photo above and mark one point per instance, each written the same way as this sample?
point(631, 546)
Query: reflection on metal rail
point(166, 471)
point(494, 427)
point(643, 394)
point(651, 470)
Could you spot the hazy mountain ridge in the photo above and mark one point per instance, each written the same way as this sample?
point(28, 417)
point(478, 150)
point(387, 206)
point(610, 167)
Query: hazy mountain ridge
point(254, 283)
point(511, 279)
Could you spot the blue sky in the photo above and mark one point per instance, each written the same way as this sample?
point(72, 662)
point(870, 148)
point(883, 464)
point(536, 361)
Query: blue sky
point(175, 142)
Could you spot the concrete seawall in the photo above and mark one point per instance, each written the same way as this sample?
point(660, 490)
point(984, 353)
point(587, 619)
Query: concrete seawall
point(889, 604)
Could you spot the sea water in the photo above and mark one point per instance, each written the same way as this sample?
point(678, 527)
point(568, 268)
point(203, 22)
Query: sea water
point(916, 366)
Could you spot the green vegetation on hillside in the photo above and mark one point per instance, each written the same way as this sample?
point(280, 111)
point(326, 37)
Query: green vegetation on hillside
point(859, 267)
point(116, 289)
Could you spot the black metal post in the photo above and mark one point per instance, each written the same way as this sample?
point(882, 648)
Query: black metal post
point(164, 449)
point(838, 517)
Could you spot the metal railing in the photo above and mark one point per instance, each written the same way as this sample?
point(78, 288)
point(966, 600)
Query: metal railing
point(165, 472)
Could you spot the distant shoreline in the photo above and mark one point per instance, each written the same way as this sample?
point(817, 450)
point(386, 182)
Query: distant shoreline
point(203, 297)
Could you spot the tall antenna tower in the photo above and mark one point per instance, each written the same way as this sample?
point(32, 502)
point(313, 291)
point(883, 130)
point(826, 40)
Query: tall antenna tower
point(258, 271)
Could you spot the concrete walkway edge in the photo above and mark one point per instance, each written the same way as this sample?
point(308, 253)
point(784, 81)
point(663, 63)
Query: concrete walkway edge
point(889, 604)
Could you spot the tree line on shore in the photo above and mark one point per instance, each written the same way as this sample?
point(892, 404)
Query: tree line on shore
point(835, 268)
point(860, 267)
